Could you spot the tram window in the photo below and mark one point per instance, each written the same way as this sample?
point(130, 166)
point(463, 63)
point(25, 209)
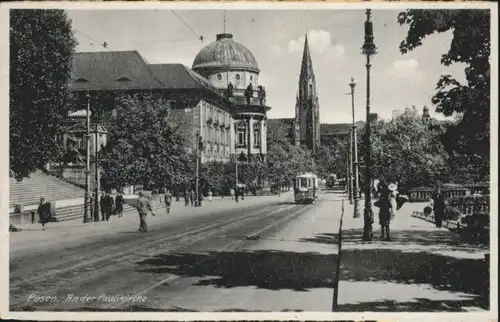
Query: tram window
point(303, 183)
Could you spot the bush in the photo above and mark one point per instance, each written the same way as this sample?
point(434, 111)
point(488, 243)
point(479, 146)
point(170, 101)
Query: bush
point(427, 210)
point(451, 213)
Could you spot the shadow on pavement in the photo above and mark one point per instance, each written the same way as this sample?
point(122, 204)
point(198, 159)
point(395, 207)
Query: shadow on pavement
point(418, 305)
point(273, 270)
point(276, 270)
point(408, 238)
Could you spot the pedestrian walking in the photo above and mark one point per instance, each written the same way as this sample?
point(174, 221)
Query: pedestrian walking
point(385, 211)
point(210, 195)
point(200, 198)
point(236, 194)
point(192, 196)
point(119, 202)
point(93, 214)
point(108, 204)
point(43, 212)
point(101, 204)
point(177, 195)
point(439, 206)
point(143, 207)
point(186, 198)
point(168, 200)
point(231, 192)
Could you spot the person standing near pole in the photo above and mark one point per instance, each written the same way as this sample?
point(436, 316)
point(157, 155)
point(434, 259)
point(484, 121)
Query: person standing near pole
point(186, 197)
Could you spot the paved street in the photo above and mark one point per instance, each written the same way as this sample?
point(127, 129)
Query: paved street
point(263, 254)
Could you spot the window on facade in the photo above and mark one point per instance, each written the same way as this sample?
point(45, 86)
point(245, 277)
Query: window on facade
point(256, 134)
point(310, 90)
point(219, 76)
point(251, 78)
point(241, 134)
point(237, 76)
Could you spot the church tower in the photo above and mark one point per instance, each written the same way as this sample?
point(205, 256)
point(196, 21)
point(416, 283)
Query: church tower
point(307, 123)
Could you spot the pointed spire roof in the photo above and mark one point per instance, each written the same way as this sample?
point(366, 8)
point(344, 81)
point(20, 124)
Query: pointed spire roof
point(306, 70)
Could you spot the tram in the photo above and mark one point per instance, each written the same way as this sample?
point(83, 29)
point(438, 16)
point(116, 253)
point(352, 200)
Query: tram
point(306, 187)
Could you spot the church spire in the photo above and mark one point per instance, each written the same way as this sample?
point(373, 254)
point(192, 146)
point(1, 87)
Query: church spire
point(306, 71)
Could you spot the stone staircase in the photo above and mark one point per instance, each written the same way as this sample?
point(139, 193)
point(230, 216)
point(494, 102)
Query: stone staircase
point(28, 191)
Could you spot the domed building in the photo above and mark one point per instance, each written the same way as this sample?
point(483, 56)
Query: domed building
point(233, 70)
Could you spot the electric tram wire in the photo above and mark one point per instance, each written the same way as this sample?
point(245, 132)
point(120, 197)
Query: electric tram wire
point(201, 38)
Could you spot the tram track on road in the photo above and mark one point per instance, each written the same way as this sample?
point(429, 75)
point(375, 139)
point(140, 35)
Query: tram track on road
point(150, 249)
point(231, 246)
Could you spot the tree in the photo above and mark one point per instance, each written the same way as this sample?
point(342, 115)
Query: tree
point(468, 141)
point(143, 146)
point(333, 158)
point(409, 151)
point(42, 46)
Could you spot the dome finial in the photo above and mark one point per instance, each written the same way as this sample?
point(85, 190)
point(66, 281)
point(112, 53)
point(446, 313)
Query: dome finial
point(224, 36)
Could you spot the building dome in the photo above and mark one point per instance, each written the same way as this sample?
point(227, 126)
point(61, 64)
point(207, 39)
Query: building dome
point(226, 54)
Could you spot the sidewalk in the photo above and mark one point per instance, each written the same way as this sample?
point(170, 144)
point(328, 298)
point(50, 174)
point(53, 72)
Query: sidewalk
point(76, 230)
point(422, 269)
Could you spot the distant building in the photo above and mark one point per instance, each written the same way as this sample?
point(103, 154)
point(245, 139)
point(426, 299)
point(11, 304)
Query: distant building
point(193, 101)
point(233, 70)
point(307, 122)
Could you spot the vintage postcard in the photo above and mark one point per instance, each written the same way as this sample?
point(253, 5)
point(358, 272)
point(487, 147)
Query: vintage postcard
point(249, 161)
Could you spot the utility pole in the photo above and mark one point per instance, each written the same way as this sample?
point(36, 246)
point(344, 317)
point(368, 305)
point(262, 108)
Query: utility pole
point(355, 192)
point(368, 49)
point(87, 164)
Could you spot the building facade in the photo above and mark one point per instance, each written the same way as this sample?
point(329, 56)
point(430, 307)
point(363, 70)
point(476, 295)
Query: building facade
point(233, 70)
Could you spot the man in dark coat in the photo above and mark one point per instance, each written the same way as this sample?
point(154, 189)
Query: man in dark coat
point(439, 206)
point(43, 212)
point(119, 202)
point(108, 205)
point(186, 197)
point(101, 204)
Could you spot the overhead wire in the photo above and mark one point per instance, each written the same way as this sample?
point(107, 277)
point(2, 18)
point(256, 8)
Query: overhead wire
point(96, 42)
point(201, 38)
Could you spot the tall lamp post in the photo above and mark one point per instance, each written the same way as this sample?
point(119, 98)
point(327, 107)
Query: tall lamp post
point(368, 49)
point(96, 159)
point(87, 164)
point(349, 168)
point(355, 192)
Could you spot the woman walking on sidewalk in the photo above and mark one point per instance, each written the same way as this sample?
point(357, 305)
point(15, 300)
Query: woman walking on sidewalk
point(43, 212)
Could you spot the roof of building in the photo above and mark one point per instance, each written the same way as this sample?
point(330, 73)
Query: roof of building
point(178, 76)
point(225, 53)
point(112, 70)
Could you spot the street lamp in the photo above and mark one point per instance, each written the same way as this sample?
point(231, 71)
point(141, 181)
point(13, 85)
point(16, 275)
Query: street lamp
point(355, 192)
point(368, 49)
point(87, 164)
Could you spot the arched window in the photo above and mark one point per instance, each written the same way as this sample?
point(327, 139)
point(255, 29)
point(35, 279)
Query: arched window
point(237, 77)
point(241, 134)
point(256, 134)
point(219, 76)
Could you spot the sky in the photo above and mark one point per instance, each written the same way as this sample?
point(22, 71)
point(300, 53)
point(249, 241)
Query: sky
point(276, 39)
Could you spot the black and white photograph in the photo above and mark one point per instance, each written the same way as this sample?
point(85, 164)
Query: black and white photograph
point(246, 158)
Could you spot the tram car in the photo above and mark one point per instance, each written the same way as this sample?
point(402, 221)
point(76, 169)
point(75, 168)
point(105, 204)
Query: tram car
point(306, 187)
